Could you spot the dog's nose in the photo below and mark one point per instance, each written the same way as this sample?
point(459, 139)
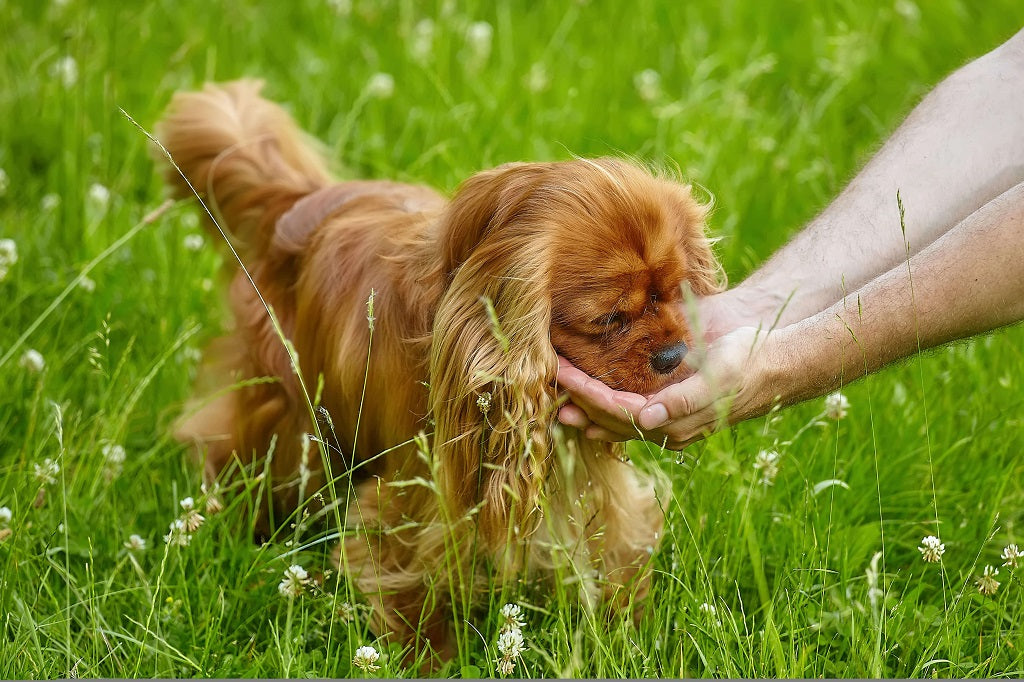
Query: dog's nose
point(668, 358)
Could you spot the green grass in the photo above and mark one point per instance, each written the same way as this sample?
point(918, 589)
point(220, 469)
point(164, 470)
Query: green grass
point(769, 106)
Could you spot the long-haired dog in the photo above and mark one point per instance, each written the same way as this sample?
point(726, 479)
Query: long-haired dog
point(472, 299)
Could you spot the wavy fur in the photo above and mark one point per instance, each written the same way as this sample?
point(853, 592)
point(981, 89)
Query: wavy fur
point(473, 296)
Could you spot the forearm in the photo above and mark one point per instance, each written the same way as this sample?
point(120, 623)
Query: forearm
point(960, 147)
point(968, 281)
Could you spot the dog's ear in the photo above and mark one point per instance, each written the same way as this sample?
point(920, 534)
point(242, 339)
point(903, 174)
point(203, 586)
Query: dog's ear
point(487, 200)
point(491, 363)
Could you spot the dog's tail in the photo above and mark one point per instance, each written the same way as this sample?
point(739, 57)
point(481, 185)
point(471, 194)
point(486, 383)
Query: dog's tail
point(245, 157)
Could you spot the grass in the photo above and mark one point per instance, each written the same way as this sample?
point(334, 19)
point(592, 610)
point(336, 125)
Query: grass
point(769, 106)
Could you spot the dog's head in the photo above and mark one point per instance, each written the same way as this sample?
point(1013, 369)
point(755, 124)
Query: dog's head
point(589, 258)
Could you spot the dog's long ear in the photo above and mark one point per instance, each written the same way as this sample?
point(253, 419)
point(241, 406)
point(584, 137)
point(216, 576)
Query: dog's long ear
point(483, 203)
point(491, 361)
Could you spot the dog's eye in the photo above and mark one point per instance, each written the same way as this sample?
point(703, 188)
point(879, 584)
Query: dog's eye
point(616, 320)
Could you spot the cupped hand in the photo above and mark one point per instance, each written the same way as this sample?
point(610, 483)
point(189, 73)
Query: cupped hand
point(733, 381)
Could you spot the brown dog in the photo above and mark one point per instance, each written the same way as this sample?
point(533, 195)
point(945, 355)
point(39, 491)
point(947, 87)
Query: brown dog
point(472, 298)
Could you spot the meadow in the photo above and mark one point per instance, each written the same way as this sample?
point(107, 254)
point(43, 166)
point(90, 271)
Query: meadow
point(804, 565)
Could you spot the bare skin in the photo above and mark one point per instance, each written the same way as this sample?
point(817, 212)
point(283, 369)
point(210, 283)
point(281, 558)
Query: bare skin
point(836, 302)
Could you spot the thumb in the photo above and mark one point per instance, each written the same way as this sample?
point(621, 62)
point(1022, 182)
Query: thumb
point(676, 401)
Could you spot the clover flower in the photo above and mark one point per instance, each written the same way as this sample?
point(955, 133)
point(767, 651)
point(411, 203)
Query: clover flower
point(293, 584)
point(987, 583)
point(191, 517)
point(767, 464)
point(46, 473)
point(512, 617)
point(4, 182)
point(346, 612)
point(931, 549)
point(135, 543)
point(87, 284)
point(380, 86)
point(213, 501)
point(1011, 556)
point(113, 460)
point(99, 194)
point(421, 42)
point(49, 202)
point(8, 256)
point(510, 646)
point(648, 84)
point(479, 36)
point(193, 242)
point(365, 658)
point(836, 405)
point(33, 361)
point(65, 69)
point(5, 516)
point(178, 534)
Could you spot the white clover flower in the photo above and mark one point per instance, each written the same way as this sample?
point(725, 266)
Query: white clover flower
point(46, 473)
point(1011, 556)
point(365, 658)
point(113, 459)
point(506, 666)
point(537, 79)
point(987, 583)
point(931, 549)
point(346, 612)
point(294, 581)
point(380, 86)
point(135, 543)
point(510, 643)
point(5, 516)
point(8, 256)
point(479, 37)
point(178, 534)
point(87, 284)
point(213, 502)
point(648, 84)
point(709, 612)
point(512, 617)
point(113, 453)
point(49, 202)
point(193, 242)
point(836, 405)
point(4, 182)
point(421, 42)
point(342, 8)
point(99, 194)
point(191, 519)
point(66, 69)
point(767, 464)
point(32, 360)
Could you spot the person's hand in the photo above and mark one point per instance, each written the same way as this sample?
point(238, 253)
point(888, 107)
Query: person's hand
point(734, 381)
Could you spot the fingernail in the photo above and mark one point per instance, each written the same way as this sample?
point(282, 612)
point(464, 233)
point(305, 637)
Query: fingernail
point(653, 416)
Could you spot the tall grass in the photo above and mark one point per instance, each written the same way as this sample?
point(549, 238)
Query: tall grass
point(769, 106)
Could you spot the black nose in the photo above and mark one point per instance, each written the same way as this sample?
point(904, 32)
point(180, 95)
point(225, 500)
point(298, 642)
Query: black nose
point(668, 358)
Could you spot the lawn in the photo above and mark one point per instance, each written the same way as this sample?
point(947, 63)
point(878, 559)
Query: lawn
point(768, 106)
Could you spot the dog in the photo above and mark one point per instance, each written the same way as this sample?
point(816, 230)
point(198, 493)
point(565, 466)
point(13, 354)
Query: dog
point(442, 392)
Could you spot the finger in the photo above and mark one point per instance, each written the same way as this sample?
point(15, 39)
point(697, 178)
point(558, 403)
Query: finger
point(595, 432)
point(614, 410)
point(688, 397)
point(571, 415)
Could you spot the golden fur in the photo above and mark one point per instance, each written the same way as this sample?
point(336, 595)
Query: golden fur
point(472, 297)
